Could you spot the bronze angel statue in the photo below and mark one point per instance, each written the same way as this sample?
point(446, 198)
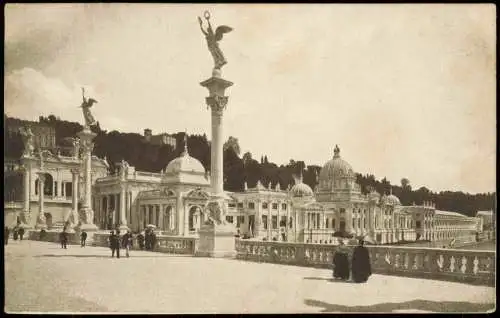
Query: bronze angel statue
point(86, 104)
point(213, 39)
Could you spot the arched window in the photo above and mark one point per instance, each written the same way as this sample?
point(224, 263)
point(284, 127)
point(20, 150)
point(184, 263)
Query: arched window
point(167, 218)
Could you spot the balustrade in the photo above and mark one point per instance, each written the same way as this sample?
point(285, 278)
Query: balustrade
point(164, 243)
point(467, 266)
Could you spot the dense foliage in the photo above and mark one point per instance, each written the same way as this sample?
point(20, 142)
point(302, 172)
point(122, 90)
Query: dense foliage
point(133, 148)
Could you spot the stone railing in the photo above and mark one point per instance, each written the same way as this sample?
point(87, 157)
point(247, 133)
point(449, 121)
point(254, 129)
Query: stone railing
point(53, 236)
point(13, 205)
point(164, 243)
point(468, 266)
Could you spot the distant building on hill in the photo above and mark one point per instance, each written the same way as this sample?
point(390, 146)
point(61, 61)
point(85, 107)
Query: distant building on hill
point(160, 139)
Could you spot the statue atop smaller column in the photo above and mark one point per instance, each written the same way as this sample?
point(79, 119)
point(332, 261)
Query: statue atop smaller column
point(87, 115)
point(213, 39)
point(28, 142)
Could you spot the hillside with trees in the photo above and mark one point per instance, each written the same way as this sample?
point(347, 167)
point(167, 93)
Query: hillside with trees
point(238, 168)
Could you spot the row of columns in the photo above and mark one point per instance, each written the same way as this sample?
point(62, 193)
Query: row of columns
point(41, 221)
point(156, 213)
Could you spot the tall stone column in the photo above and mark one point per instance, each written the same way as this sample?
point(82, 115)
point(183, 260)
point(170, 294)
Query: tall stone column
point(217, 239)
point(87, 214)
point(75, 173)
point(41, 222)
point(217, 102)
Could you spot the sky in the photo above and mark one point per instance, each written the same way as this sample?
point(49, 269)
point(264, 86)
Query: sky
point(404, 90)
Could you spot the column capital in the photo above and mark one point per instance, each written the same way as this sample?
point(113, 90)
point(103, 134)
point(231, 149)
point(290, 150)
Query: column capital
point(75, 171)
point(217, 103)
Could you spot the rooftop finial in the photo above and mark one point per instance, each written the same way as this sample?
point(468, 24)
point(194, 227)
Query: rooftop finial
point(336, 151)
point(185, 153)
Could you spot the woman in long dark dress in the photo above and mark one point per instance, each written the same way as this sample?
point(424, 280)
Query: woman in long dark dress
point(361, 267)
point(341, 262)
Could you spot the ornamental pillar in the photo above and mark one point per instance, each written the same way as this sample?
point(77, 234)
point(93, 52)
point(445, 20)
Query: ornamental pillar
point(41, 221)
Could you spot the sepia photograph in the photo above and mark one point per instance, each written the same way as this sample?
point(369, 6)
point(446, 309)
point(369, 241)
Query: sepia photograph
point(249, 158)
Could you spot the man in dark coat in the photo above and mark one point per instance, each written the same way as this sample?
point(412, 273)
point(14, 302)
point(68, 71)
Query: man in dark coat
point(65, 239)
point(153, 241)
point(341, 262)
point(113, 242)
point(6, 234)
point(361, 267)
point(147, 240)
point(61, 238)
point(83, 238)
point(21, 233)
point(117, 243)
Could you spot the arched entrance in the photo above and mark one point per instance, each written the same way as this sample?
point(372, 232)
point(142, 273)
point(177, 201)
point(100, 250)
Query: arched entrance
point(194, 218)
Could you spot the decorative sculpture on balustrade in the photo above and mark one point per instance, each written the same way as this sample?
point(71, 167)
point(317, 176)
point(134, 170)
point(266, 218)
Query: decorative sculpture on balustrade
point(217, 212)
point(212, 40)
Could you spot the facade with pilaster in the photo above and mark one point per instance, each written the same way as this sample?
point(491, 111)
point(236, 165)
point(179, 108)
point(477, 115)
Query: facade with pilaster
point(50, 187)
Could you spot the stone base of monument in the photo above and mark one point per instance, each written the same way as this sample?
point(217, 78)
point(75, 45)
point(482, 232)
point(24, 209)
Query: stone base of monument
point(217, 241)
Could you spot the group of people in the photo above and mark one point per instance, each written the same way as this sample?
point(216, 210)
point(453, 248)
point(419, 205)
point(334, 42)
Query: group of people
point(147, 239)
point(18, 233)
point(116, 242)
point(360, 266)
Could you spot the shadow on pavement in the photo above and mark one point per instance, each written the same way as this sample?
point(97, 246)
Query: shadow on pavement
point(425, 305)
point(332, 280)
point(104, 256)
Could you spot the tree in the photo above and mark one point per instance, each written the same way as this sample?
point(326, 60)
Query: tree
point(233, 143)
point(247, 156)
point(405, 184)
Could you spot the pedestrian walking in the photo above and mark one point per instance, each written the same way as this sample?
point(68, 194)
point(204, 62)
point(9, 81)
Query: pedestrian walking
point(341, 262)
point(361, 267)
point(127, 242)
point(83, 238)
point(21, 233)
point(117, 243)
point(61, 239)
point(111, 241)
point(153, 240)
point(147, 240)
point(15, 235)
point(65, 239)
point(6, 233)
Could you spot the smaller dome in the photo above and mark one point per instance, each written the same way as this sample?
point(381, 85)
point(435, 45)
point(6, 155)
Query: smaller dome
point(185, 163)
point(301, 189)
point(392, 200)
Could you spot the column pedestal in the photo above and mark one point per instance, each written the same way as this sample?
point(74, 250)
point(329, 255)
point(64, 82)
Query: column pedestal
point(217, 237)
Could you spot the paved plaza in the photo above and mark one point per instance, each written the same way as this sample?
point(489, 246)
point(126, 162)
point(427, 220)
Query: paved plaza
point(42, 277)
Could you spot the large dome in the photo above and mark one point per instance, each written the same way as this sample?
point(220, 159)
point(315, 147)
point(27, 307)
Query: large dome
point(335, 169)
